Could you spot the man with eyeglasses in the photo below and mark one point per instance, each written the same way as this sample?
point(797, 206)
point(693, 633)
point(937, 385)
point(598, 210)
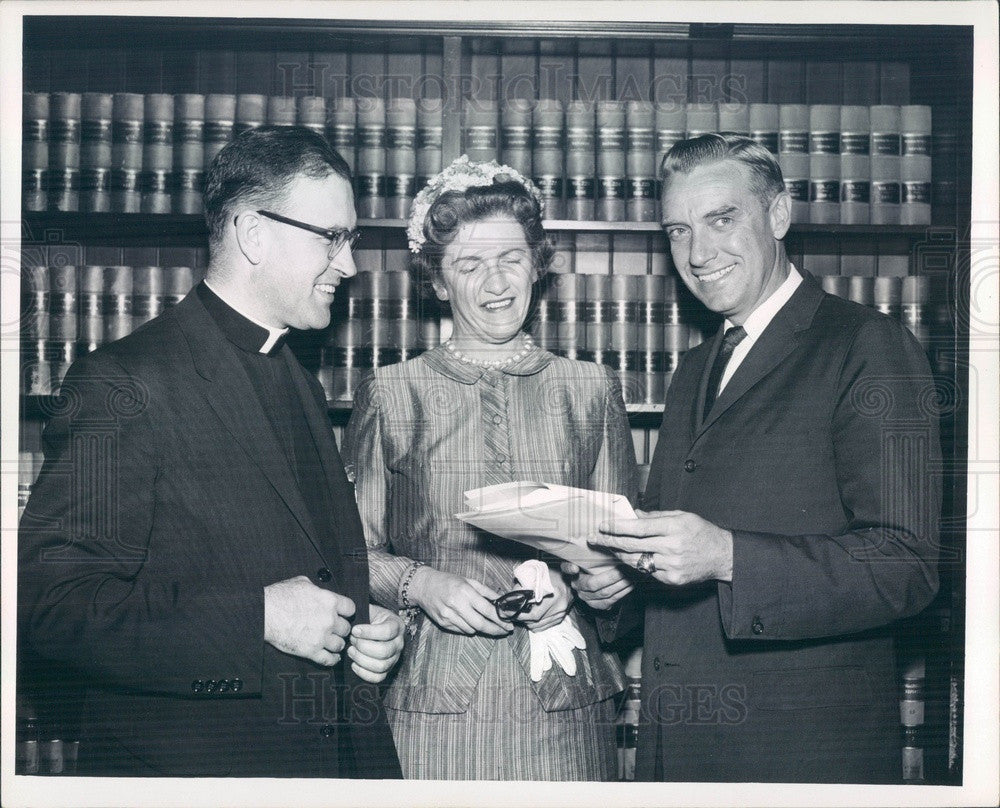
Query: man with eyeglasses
point(192, 547)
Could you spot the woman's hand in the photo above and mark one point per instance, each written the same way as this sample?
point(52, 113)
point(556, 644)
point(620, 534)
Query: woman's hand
point(551, 611)
point(456, 603)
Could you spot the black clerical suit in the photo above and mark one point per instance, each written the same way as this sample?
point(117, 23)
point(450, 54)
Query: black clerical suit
point(184, 473)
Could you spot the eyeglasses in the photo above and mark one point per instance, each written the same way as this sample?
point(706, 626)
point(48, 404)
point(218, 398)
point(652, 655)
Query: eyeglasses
point(337, 238)
point(513, 603)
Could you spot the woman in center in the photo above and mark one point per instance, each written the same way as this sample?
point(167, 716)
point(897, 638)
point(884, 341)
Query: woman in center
point(487, 407)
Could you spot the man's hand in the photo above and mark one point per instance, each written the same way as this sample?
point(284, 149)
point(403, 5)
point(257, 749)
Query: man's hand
point(307, 621)
point(599, 590)
point(551, 611)
point(375, 647)
point(686, 548)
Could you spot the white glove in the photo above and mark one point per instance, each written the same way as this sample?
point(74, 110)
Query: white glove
point(556, 642)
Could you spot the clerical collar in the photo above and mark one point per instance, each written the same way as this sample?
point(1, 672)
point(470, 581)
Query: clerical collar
point(243, 331)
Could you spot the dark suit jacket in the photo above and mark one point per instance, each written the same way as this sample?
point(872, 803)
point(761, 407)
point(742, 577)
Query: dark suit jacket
point(164, 508)
point(822, 456)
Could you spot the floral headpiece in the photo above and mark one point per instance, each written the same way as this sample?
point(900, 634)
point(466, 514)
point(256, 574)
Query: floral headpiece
point(461, 175)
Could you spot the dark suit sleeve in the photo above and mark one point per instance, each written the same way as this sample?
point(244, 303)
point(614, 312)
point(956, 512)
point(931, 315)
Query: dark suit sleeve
point(89, 593)
point(883, 565)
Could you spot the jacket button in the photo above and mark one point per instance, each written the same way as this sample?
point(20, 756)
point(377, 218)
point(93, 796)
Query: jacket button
point(223, 685)
point(656, 663)
point(236, 685)
point(197, 686)
point(690, 465)
point(210, 686)
point(327, 730)
point(757, 627)
point(324, 574)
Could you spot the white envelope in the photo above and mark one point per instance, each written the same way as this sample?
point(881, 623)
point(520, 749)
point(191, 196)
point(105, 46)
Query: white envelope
point(555, 518)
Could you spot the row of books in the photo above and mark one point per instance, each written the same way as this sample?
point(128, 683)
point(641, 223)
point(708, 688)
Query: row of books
point(640, 325)
point(133, 153)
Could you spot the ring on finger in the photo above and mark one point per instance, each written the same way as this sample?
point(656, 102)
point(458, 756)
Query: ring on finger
point(645, 564)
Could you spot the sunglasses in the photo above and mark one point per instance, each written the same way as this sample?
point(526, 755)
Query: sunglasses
point(337, 238)
point(513, 603)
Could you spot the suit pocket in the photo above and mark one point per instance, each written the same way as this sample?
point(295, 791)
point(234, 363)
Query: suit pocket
point(809, 688)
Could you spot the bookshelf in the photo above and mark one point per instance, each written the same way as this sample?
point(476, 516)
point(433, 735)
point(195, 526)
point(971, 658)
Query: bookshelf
point(695, 71)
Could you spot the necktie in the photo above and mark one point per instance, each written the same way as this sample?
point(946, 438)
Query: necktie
point(733, 337)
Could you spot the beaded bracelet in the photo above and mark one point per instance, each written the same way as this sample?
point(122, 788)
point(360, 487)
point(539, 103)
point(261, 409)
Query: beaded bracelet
point(409, 611)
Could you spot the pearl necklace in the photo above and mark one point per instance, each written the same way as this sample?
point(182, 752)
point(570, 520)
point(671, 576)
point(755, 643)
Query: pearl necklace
point(526, 345)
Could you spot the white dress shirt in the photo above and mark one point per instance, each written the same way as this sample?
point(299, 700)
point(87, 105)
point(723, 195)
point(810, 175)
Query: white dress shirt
point(759, 319)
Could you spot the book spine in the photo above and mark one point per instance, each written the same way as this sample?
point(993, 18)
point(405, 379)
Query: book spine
point(95, 152)
point(914, 296)
point(547, 155)
point(250, 113)
point(311, 113)
point(580, 161)
point(403, 310)
point(281, 110)
point(764, 123)
point(127, 115)
point(649, 337)
point(610, 161)
point(220, 120)
point(887, 296)
point(677, 333)
point(158, 153)
point(35, 151)
point(515, 135)
point(569, 292)
point(640, 192)
point(885, 195)
point(596, 346)
point(702, 118)
point(342, 357)
point(429, 138)
point(401, 156)
point(341, 125)
point(793, 156)
point(147, 294)
point(369, 178)
point(861, 289)
point(734, 117)
point(915, 165)
point(835, 285)
point(855, 165)
point(91, 331)
point(34, 303)
point(117, 302)
point(64, 152)
point(177, 282)
point(480, 129)
point(624, 328)
point(189, 153)
point(824, 164)
point(911, 714)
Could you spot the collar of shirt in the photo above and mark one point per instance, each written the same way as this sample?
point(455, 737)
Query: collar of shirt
point(758, 320)
point(446, 363)
point(242, 330)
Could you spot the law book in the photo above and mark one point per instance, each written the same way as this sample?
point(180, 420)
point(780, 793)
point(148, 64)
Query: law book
point(670, 118)
point(117, 302)
point(34, 151)
point(515, 135)
point(341, 369)
point(764, 124)
point(701, 118)
point(479, 129)
point(189, 152)
point(912, 714)
point(734, 117)
point(369, 177)
point(547, 167)
point(147, 294)
point(793, 156)
point(596, 345)
point(542, 322)
point(36, 369)
point(623, 315)
point(914, 299)
point(91, 293)
point(401, 156)
point(610, 153)
point(915, 125)
point(580, 161)
point(95, 152)
point(177, 282)
point(835, 285)
point(855, 165)
point(429, 138)
point(887, 296)
point(64, 152)
point(885, 193)
point(281, 110)
point(569, 292)
point(861, 289)
point(310, 112)
point(554, 518)
point(220, 120)
point(650, 336)
point(640, 162)
point(34, 303)
point(251, 112)
point(127, 124)
point(157, 153)
point(403, 312)
point(677, 332)
point(341, 125)
point(824, 163)
point(62, 282)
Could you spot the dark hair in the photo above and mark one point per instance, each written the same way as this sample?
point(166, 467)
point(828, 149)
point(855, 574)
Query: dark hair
point(257, 166)
point(453, 209)
point(765, 174)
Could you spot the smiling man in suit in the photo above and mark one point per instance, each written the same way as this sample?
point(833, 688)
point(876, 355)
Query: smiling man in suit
point(192, 547)
point(792, 504)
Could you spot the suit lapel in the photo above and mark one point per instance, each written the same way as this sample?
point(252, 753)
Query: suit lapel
point(231, 396)
point(779, 339)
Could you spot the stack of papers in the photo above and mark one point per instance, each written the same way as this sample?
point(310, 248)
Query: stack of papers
point(554, 518)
